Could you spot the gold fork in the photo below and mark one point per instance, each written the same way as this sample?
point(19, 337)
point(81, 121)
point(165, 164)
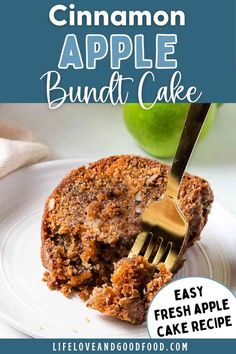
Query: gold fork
point(164, 226)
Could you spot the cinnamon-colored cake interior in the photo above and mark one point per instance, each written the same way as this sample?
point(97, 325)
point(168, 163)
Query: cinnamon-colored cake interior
point(90, 223)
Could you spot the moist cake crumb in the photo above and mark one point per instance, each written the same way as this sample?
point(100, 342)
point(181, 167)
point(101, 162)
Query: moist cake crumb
point(90, 223)
point(128, 295)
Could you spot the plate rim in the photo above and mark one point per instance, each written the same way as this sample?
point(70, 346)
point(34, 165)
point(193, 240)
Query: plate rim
point(7, 319)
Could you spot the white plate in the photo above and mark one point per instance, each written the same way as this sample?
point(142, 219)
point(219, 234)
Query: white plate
point(25, 301)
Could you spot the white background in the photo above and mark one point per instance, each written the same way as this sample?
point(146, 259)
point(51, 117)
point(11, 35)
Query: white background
point(211, 291)
point(80, 131)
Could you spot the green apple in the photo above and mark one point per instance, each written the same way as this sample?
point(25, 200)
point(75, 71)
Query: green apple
point(158, 129)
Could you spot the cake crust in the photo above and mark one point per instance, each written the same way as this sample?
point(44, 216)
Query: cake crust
point(91, 220)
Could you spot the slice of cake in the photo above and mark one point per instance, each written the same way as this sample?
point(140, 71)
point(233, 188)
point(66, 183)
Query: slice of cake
point(90, 223)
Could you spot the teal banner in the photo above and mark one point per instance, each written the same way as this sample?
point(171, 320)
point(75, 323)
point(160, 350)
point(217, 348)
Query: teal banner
point(48, 346)
point(99, 51)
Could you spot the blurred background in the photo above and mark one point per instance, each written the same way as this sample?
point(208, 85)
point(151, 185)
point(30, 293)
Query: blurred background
point(96, 130)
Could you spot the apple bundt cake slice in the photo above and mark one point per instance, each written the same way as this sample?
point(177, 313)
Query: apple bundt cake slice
point(90, 223)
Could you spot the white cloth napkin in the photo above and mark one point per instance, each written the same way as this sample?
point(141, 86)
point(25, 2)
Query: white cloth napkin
point(18, 147)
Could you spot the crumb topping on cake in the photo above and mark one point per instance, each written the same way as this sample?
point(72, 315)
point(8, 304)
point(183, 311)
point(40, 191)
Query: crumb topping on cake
point(90, 223)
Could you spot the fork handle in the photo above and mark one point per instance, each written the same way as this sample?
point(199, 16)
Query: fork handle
point(195, 119)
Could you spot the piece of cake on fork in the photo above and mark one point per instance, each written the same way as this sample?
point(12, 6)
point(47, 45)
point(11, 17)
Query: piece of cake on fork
point(91, 221)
